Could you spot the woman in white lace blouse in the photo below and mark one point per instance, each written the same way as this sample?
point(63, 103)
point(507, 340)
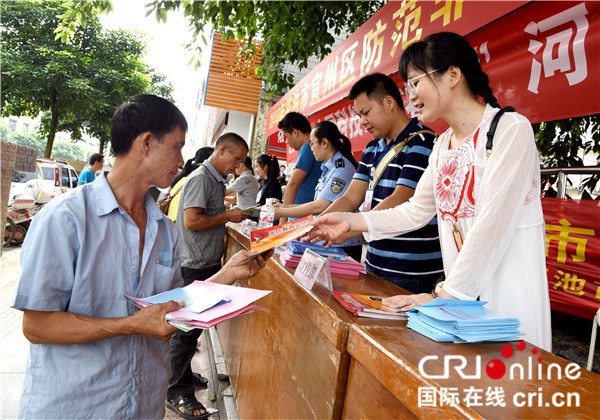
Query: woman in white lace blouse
point(489, 211)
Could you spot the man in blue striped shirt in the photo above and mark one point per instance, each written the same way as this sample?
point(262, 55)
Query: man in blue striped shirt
point(412, 261)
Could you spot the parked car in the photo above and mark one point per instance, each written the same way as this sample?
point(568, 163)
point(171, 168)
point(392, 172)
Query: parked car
point(51, 178)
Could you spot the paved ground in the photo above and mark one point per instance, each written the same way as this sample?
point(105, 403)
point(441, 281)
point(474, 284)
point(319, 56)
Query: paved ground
point(571, 338)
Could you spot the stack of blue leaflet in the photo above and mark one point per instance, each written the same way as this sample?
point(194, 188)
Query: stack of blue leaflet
point(297, 248)
point(461, 321)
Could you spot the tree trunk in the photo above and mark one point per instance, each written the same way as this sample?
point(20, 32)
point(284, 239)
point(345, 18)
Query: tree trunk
point(53, 124)
point(102, 146)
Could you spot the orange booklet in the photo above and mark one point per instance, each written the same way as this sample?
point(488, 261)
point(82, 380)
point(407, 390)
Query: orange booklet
point(267, 238)
point(367, 306)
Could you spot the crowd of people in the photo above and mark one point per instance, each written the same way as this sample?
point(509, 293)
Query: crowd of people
point(429, 208)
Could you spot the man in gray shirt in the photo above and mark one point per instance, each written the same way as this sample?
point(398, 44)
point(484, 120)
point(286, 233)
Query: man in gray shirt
point(201, 220)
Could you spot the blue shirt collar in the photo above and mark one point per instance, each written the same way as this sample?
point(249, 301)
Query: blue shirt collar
point(106, 202)
point(330, 163)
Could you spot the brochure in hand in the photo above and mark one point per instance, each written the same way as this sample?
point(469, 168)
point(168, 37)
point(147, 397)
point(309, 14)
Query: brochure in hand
point(230, 301)
point(267, 238)
point(462, 321)
point(367, 306)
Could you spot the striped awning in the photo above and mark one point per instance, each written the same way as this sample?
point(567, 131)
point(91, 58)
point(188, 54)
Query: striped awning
point(232, 82)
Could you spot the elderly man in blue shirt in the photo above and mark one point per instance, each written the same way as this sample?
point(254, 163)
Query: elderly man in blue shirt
point(92, 354)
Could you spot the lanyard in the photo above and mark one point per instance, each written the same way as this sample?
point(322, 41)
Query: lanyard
point(380, 156)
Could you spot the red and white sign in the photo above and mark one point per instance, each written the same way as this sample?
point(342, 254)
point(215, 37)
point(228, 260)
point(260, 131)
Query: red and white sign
point(573, 255)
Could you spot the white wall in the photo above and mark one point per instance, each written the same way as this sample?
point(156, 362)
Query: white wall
point(240, 123)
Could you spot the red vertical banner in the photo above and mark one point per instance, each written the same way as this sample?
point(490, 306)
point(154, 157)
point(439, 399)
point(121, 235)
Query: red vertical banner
point(573, 255)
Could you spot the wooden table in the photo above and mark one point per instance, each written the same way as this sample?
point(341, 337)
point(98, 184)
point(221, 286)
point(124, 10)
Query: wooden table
point(307, 357)
point(385, 380)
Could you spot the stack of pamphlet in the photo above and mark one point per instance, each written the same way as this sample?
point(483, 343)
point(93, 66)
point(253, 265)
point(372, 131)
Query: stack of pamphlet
point(339, 261)
point(206, 303)
point(461, 321)
point(297, 248)
point(368, 306)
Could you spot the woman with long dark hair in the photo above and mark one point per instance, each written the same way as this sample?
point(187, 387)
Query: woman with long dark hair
point(267, 167)
point(335, 151)
point(489, 211)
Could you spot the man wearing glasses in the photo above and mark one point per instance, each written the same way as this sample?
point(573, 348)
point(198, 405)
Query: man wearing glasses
point(201, 219)
point(387, 175)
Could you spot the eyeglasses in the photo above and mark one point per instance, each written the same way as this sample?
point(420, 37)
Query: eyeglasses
point(312, 143)
point(411, 88)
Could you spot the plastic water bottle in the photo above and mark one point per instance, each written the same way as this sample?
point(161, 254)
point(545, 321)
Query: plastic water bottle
point(267, 214)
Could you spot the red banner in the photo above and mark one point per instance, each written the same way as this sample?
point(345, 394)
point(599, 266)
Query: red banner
point(377, 46)
point(542, 58)
point(277, 146)
point(573, 255)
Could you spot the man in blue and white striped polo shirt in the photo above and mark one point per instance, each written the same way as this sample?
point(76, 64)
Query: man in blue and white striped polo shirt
point(412, 261)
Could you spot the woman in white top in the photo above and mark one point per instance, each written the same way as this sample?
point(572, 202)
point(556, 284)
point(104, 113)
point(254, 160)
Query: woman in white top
point(489, 210)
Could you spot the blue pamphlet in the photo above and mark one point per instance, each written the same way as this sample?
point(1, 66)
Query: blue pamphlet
point(461, 321)
point(297, 248)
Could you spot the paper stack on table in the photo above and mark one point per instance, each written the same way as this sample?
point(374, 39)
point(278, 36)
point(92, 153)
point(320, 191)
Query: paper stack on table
point(462, 321)
point(207, 303)
point(339, 261)
point(367, 306)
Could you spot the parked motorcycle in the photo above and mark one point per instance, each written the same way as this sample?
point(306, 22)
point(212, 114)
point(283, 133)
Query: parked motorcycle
point(20, 212)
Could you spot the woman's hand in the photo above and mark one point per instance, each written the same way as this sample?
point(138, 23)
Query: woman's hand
point(406, 302)
point(328, 227)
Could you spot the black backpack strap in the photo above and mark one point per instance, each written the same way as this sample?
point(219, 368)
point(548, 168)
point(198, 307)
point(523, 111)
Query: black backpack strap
point(490, 134)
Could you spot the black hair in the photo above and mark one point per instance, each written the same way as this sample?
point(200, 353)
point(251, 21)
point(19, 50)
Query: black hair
point(142, 113)
point(192, 164)
point(377, 86)
point(294, 120)
point(202, 154)
point(231, 139)
point(441, 50)
point(248, 164)
point(273, 165)
point(96, 157)
point(328, 130)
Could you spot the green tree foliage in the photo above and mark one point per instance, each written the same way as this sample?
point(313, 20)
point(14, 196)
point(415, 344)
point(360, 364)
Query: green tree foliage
point(292, 31)
point(35, 140)
point(68, 150)
point(31, 139)
point(562, 142)
point(75, 81)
